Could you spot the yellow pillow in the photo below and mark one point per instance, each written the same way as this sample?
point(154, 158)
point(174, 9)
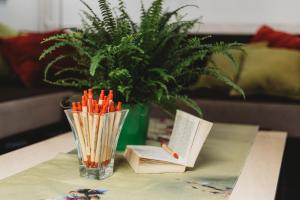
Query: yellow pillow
point(5, 69)
point(271, 71)
point(226, 67)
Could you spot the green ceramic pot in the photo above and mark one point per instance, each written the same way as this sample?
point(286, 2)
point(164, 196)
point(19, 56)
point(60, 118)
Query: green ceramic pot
point(135, 127)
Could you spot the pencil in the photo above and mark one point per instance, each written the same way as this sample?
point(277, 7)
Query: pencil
point(110, 129)
point(115, 130)
point(94, 132)
point(79, 132)
point(99, 138)
point(84, 116)
point(170, 151)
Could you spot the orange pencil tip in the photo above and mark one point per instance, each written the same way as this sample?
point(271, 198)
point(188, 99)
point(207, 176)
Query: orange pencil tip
point(90, 93)
point(110, 95)
point(102, 94)
point(119, 106)
point(83, 100)
point(96, 108)
point(175, 155)
point(112, 107)
point(74, 107)
point(79, 107)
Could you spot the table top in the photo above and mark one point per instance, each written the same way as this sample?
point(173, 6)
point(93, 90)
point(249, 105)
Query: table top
point(258, 179)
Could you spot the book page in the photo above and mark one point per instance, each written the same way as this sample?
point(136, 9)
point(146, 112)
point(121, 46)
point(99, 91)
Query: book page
point(154, 153)
point(202, 132)
point(184, 130)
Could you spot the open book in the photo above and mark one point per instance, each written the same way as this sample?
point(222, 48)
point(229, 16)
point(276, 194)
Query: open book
point(188, 136)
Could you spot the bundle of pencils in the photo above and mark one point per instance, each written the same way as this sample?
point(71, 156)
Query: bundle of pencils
point(97, 123)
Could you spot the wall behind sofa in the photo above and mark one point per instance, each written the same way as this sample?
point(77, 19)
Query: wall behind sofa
point(238, 16)
point(20, 14)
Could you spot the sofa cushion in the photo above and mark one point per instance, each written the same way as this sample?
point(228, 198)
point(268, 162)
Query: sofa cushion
point(276, 38)
point(226, 67)
point(22, 53)
point(5, 69)
point(7, 31)
point(271, 71)
point(24, 110)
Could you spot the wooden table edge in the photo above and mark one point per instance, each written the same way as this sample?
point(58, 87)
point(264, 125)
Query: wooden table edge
point(260, 174)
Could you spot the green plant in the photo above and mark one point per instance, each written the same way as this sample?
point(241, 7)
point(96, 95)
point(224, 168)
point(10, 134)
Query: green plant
point(153, 61)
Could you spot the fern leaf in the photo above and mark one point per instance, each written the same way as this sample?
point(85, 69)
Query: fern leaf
point(55, 37)
point(51, 49)
point(168, 15)
point(52, 63)
point(89, 8)
point(70, 82)
point(143, 11)
point(107, 14)
point(95, 62)
point(163, 74)
point(71, 69)
point(215, 73)
point(190, 103)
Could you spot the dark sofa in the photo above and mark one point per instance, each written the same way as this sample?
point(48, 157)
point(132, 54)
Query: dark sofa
point(23, 109)
point(269, 112)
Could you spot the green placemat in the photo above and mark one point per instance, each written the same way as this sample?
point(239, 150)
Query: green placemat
point(213, 177)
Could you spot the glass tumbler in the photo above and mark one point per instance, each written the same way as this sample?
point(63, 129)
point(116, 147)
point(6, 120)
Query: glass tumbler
point(96, 136)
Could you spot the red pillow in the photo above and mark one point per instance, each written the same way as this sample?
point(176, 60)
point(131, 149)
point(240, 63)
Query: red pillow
point(23, 52)
point(277, 38)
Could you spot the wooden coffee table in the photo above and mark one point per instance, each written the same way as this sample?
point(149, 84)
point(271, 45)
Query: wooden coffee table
point(258, 179)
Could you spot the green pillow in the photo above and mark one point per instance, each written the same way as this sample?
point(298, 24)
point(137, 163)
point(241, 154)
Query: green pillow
point(5, 31)
point(271, 71)
point(226, 67)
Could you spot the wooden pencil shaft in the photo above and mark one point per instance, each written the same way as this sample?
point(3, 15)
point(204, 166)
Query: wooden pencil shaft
point(80, 135)
point(99, 137)
point(115, 130)
point(110, 135)
point(90, 123)
point(105, 139)
point(85, 127)
point(94, 136)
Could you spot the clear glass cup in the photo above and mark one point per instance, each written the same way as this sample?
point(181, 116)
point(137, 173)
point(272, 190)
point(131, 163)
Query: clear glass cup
point(96, 137)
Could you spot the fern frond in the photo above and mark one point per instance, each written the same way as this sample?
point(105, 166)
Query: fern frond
point(169, 104)
point(163, 73)
point(143, 11)
point(225, 49)
point(52, 63)
point(152, 16)
point(168, 15)
point(95, 62)
point(215, 73)
point(70, 82)
point(107, 15)
point(189, 103)
point(71, 69)
point(51, 49)
point(55, 37)
point(126, 18)
point(191, 59)
point(90, 9)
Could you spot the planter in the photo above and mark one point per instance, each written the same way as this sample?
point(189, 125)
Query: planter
point(135, 127)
